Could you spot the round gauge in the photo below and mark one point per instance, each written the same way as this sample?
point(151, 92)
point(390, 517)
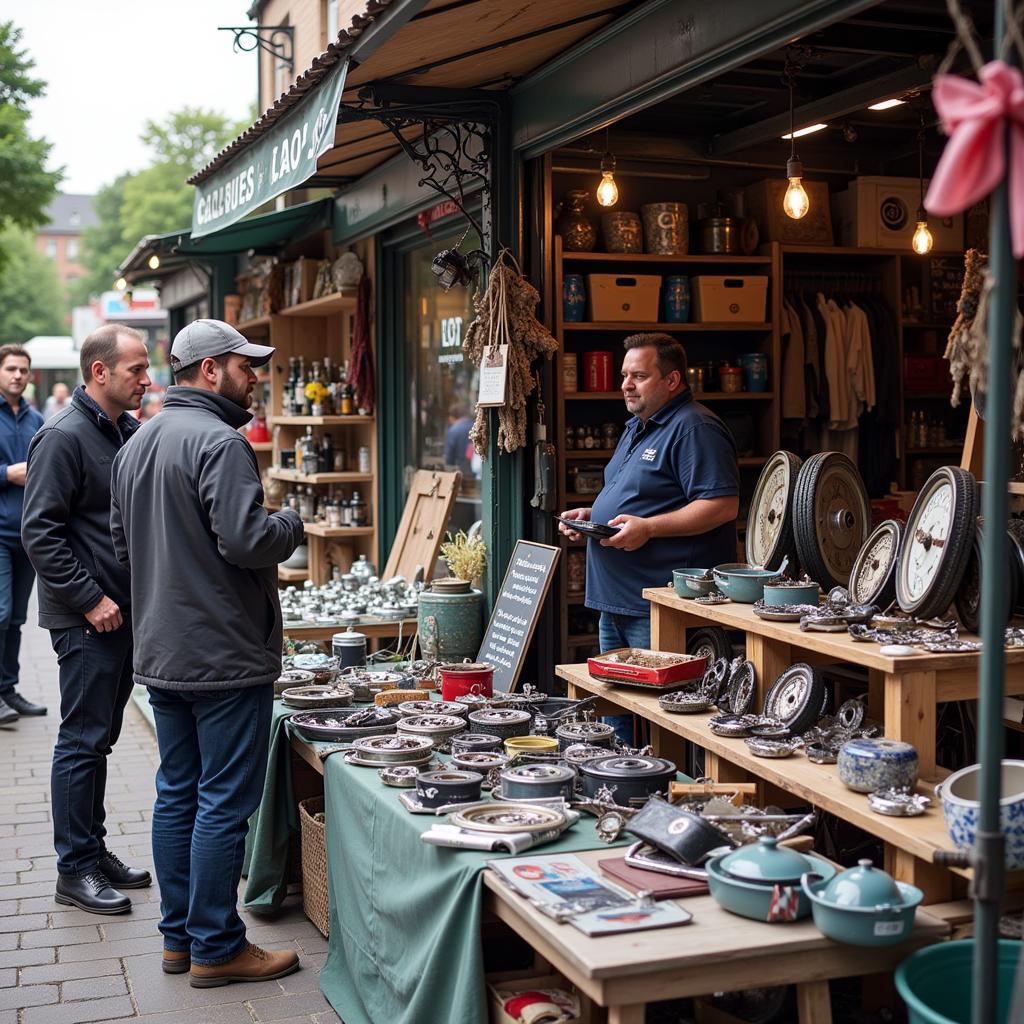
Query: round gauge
point(873, 576)
point(769, 524)
point(937, 542)
point(831, 517)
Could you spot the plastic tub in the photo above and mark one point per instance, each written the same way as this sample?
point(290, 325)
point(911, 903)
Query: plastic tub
point(940, 976)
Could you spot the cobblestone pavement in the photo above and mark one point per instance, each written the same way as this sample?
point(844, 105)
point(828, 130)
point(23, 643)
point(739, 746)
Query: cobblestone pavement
point(60, 965)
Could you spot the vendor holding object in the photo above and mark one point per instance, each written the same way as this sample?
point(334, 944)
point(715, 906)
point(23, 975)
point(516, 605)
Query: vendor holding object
point(672, 489)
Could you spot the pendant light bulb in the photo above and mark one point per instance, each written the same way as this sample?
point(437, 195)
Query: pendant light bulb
point(922, 240)
point(607, 190)
point(795, 203)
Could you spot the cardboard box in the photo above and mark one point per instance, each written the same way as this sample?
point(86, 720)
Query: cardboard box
point(523, 981)
point(623, 297)
point(763, 202)
point(881, 213)
point(742, 299)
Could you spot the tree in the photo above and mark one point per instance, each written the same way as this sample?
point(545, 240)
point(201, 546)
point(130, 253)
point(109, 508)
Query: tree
point(26, 187)
point(30, 295)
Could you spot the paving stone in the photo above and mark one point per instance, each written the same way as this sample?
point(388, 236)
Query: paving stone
point(26, 889)
point(60, 936)
point(94, 988)
point(23, 923)
point(31, 995)
point(8, 977)
point(81, 1012)
point(70, 972)
point(8, 907)
point(283, 1007)
point(9, 940)
point(38, 905)
point(121, 947)
point(228, 1013)
point(131, 927)
point(313, 943)
point(27, 957)
point(330, 1017)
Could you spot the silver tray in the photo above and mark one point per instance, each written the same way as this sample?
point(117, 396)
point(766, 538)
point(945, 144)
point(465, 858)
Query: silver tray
point(505, 817)
point(311, 698)
point(351, 757)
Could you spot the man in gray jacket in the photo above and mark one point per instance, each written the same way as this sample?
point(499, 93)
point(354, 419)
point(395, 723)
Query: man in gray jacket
point(187, 516)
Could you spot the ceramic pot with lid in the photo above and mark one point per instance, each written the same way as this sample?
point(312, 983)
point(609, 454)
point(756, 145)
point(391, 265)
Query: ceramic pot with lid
point(595, 734)
point(458, 680)
point(502, 722)
point(867, 765)
point(864, 906)
point(349, 648)
point(537, 782)
point(629, 776)
point(451, 786)
point(439, 728)
point(473, 741)
point(791, 592)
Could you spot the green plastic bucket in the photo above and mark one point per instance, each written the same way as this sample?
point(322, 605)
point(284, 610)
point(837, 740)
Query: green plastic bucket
point(936, 982)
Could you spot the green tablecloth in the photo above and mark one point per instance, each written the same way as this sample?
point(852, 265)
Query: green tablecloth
point(405, 916)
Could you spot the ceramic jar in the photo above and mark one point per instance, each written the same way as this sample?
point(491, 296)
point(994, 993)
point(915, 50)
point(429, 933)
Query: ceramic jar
point(574, 299)
point(452, 786)
point(578, 233)
point(755, 371)
point(537, 782)
point(867, 765)
point(730, 378)
point(622, 232)
point(666, 229)
point(501, 722)
point(476, 742)
point(675, 299)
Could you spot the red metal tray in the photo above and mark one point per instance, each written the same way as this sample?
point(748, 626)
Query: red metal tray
point(690, 667)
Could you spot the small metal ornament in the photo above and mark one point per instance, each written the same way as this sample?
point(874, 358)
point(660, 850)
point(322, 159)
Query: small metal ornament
point(732, 726)
point(953, 647)
point(850, 714)
point(762, 746)
point(742, 686)
point(711, 599)
point(821, 753)
point(609, 826)
point(898, 803)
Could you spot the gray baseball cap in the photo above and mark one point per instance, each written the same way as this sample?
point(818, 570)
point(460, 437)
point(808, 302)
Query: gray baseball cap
point(202, 339)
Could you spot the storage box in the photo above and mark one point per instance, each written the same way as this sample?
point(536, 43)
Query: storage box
point(299, 279)
point(315, 894)
point(763, 202)
point(526, 981)
point(881, 213)
point(926, 373)
point(622, 297)
point(729, 299)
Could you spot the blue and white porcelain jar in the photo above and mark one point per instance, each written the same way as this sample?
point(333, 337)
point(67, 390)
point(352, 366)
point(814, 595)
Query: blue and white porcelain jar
point(867, 765)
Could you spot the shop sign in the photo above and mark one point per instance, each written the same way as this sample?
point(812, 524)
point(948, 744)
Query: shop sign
point(451, 340)
point(282, 159)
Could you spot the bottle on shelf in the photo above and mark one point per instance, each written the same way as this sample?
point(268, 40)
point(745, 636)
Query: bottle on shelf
point(360, 512)
point(307, 445)
point(346, 510)
point(325, 458)
point(299, 388)
point(307, 506)
point(288, 398)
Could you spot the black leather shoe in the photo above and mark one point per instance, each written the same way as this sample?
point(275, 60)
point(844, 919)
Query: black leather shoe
point(23, 707)
point(120, 875)
point(8, 716)
point(92, 892)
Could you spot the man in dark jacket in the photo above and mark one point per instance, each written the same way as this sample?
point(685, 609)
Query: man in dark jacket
point(187, 511)
point(18, 423)
point(84, 603)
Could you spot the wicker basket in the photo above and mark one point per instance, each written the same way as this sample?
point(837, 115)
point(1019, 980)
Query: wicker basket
point(315, 900)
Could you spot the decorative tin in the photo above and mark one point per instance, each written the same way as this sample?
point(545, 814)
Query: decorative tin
point(570, 373)
point(310, 697)
point(597, 371)
point(506, 817)
point(632, 776)
point(386, 750)
point(755, 371)
point(438, 728)
point(867, 765)
point(597, 734)
point(501, 722)
point(516, 745)
point(349, 648)
point(450, 786)
point(537, 782)
point(466, 742)
point(622, 231)
point(291, 678)
point(578, 753)
point(481, 761)
point(578, 234)
point(408, 708)
point(666, 228)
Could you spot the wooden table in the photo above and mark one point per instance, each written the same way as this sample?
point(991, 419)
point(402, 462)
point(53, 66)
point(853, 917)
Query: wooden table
point(716, 952)
point(382, 629)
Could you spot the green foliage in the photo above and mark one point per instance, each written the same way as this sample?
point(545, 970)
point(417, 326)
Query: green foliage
point(30, 295)
point(26, 187)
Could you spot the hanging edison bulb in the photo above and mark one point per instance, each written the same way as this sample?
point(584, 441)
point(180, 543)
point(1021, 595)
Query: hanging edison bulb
point(922, 241)
point(795, 202)
point(607, 190)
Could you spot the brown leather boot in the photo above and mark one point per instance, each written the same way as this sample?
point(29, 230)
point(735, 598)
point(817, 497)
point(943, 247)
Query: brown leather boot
point(176, 962)
point(252, 964)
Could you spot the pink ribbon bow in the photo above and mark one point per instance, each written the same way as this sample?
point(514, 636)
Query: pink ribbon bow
point(973, 162)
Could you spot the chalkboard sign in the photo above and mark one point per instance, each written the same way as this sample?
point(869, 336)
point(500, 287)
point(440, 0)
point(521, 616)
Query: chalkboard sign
point(517, 609)
point(945, 283)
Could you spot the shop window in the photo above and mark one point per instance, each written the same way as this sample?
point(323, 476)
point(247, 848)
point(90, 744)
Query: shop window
point(443, 383)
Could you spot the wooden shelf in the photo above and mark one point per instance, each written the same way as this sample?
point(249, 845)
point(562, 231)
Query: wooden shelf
point(322, 530)
point(1015, 487)
point(643, 257)
point(294, 477)
point(292, 575)
point(324, 306)
point(261, 325)
point(592, 396)
point(752, 460)
point(620, 325)
point(317, 421)
point(949, 449)
point(261, 446)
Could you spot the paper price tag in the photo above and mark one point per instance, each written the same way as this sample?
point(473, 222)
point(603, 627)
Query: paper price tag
point(888, 928)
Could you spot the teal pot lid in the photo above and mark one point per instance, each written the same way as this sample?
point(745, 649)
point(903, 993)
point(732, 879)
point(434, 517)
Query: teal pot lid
point(765, 863)
point(864, 886)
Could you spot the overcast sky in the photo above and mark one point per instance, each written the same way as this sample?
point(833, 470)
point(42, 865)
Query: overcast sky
point(109, 66)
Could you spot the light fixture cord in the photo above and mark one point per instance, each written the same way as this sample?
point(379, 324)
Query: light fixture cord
point(920, 162)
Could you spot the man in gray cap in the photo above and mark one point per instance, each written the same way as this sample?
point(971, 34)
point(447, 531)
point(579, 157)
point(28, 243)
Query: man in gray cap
point(187, 510)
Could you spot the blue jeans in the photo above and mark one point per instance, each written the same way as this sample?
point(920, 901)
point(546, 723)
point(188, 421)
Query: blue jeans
point(95, 671)
point(615, 631)
point(213, 762)
point(16, 579)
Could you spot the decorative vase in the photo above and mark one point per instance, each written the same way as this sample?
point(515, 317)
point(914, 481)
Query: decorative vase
point(755, 371)
point(675, 300)
point(666, 229)
point(578, 234)
point(622, 232)
point(574, 299)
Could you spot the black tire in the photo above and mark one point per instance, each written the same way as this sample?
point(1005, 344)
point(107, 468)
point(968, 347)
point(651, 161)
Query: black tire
point(1016, 532)
point(805, 534)
point(798, 715)
point(712, 641)
point(785, 546)
point(968, 596)
point(957, 551)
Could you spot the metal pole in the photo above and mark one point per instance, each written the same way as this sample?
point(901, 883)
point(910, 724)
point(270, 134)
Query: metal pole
point(988, 862)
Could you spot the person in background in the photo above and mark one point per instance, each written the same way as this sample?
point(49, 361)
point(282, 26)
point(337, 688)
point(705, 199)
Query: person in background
point(18, 424)
point(84, 602)
point(152, 403)
point(187, 511)
point(58, 400)
point(672, 488)
point(458, 449)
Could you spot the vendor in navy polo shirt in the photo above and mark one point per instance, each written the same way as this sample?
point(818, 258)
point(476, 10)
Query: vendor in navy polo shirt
point(672, 487)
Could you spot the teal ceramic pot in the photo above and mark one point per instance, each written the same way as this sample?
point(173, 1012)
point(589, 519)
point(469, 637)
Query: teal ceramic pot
point(687, 582)
point(863, 906)
point(762, 881)
point(742, 582)
point(450, 624)
point(791, 593)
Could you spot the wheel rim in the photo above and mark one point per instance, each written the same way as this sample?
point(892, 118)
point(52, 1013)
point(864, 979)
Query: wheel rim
point(874, 567)
point(770, 511)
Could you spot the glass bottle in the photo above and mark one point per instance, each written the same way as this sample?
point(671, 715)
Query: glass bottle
point(360, 514)
point(306, 505)
point(299, 390)
point(325, 460)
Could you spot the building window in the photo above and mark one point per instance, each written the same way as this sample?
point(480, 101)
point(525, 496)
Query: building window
point(71, 249)
point(51, 248)
point(332, 20)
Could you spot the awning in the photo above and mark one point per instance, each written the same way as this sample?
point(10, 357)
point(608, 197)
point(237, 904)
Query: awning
point(264, 233)
point(52, 352)
point(442, 44)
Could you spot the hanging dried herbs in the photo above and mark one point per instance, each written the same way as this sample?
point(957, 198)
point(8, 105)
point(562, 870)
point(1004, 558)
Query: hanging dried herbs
point(505, 315)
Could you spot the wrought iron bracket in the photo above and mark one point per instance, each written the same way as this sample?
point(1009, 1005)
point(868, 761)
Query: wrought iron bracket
point(453, 143)
point(277, 40)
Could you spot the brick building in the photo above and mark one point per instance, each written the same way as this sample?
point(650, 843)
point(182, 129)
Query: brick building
point(61, 239)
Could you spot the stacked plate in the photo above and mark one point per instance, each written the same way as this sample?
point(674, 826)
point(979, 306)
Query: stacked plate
point(307, 698)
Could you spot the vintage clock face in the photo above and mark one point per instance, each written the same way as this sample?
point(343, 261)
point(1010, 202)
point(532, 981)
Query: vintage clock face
point(937, 542)
point(769, 527)
point(873, 576)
